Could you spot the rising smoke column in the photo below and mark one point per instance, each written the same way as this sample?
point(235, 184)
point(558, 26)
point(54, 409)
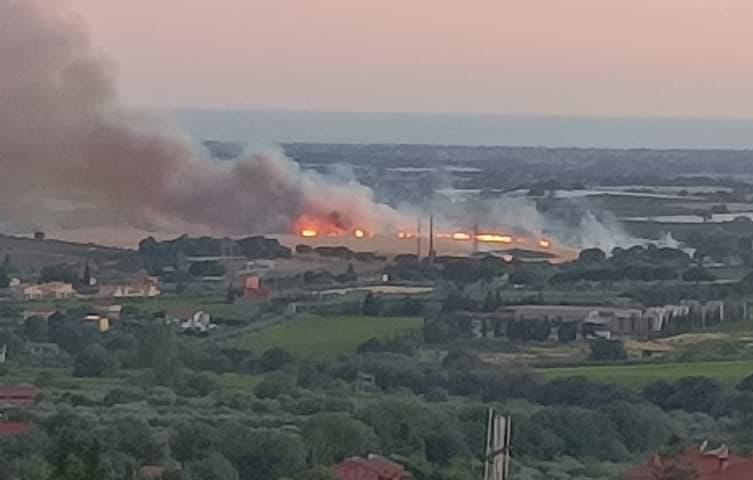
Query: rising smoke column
point(65, 137)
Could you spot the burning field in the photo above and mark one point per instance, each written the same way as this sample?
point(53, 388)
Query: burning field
point(74, 158)
point(322, 231)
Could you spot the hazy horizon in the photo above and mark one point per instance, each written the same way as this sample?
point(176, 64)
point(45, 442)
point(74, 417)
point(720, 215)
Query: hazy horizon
point(263, 127)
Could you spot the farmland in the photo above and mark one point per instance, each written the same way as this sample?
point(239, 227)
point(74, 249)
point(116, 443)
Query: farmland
point(728, 372)
point(328, 335)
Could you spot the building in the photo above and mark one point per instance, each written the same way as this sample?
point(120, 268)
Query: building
point(37, 349)
point(253, 289)
point(598, 321)
point(10, 429)
point(45, 314)
point(152, 472)
point(146, 288)
point(110, 311)
point(100, 322)
point(373, 467)
point(17, 395)
point(718, 464)
point(41, 353)
point(256, 267)
point(662, 316)
point(51, 290)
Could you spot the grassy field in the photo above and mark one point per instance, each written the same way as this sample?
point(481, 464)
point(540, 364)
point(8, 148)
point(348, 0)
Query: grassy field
point(216, 306)
point(327, 335)
point(728, 372)
point(741, 327)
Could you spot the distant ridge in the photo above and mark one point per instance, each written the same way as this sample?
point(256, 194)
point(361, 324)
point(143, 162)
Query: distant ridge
point(273, 127)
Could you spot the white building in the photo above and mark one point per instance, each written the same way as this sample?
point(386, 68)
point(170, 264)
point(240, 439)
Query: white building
point(145, 289)
point(51, 290)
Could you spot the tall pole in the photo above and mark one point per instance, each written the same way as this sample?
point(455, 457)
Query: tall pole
point(475, 236)
point(488, 446)
point(432, 253)
point(418, 238)
point(508, 446)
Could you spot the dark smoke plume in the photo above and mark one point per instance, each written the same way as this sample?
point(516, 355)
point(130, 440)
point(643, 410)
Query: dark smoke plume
point(66, 140)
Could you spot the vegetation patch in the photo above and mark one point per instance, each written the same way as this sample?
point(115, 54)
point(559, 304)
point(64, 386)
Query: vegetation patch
point(328, 335)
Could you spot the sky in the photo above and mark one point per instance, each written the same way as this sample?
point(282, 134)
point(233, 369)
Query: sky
point(666, 58)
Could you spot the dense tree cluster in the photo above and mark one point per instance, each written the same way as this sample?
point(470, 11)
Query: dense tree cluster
point(158, 255)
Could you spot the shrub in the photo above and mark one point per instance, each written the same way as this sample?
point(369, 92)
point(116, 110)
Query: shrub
point(120, 395)
point(200, 384)
point(608, 350)
point(95, 361)
point(274, 359)
point(161, 396)
point(274, 386)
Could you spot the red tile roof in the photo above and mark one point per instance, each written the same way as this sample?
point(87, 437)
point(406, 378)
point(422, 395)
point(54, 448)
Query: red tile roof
point(13, 428)
point(708, 465)
point(153, 471)
point(17, 395)
point(372, 468)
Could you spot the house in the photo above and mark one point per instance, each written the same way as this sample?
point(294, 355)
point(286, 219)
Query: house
point(146, 288)
point(373, 467)
point(596, 320)
point(659, 317)
point(110, 311)
point(17, 395)
point(45, 314)
point(10, 429)
point(152, 472)
point(717, 464)
point(99, 322)
point(42, 349)
point(254, 290)
point(50, 290)
point(256, 266)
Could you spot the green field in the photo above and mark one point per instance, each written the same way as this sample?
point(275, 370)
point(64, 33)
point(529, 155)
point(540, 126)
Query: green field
point(728, 372)
point(327, 335)
point(740, 327)
point(213, 305)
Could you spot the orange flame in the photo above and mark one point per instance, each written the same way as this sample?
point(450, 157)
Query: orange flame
point(359, 233)
point(309, 233)
point(543, 243)
point(461, 236)
point(494, 238)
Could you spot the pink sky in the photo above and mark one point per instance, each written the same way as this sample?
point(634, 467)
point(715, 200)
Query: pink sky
point(612, 57)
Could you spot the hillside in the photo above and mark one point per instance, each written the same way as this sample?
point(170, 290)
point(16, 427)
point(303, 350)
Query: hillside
point(29, 256)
